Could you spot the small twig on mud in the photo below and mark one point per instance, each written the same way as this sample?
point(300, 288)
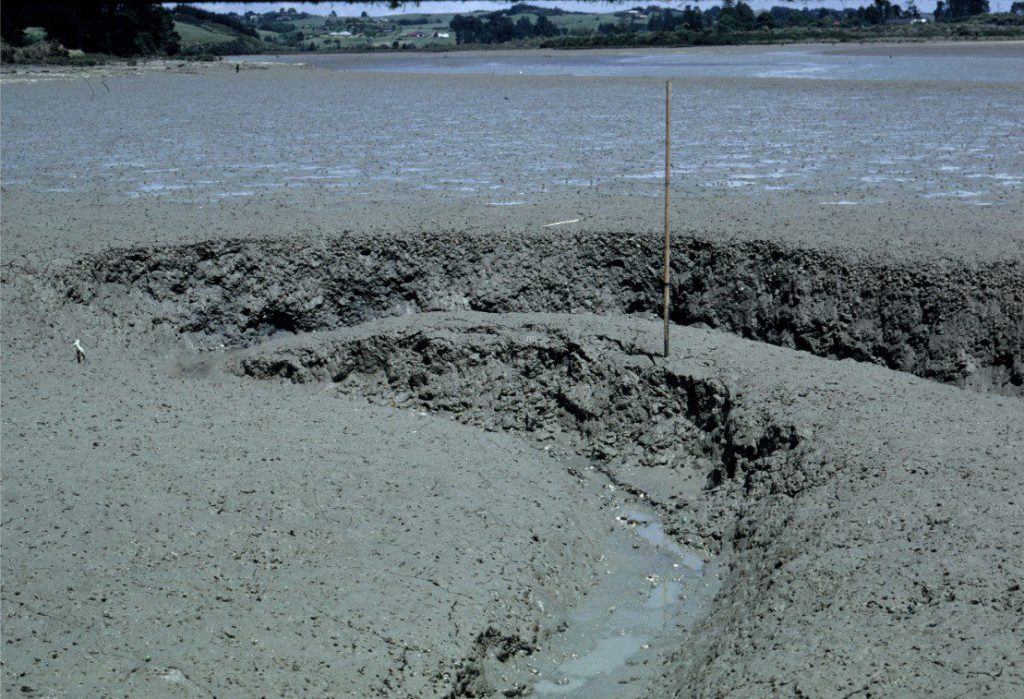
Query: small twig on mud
point(92, 91)
point(23, 266)
point(562, 223)
point(104, 84)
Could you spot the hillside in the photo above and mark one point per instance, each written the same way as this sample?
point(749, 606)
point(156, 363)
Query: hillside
point(205, 32)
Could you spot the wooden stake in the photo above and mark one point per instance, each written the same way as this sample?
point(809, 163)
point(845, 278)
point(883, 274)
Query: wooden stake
point(668, 159)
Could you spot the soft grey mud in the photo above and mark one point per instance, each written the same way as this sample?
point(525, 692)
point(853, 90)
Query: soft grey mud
point(810, 481)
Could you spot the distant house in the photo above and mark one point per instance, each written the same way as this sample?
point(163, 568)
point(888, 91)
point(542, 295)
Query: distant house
point(340, 34)
point(441, 35)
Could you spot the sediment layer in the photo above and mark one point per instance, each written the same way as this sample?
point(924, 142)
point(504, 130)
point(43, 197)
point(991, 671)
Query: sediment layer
point(603, 396)
point(955, 322)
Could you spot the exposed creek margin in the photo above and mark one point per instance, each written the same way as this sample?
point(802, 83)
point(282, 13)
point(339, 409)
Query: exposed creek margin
point(603, 397)
point(954, 322)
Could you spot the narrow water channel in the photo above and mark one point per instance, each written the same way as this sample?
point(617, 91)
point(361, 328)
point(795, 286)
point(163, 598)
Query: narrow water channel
point(651, 596)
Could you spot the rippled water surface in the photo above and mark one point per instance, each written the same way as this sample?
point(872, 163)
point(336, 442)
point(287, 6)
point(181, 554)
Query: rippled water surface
point(992, 65)
point(496, 129)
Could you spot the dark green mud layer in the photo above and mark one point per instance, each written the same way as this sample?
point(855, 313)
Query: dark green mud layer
point(956, 322)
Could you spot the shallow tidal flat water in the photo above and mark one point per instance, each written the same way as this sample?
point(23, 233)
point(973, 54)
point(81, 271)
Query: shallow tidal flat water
point(829, 145)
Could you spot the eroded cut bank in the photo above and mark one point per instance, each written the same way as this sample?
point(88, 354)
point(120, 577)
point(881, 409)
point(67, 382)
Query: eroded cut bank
point(954, 322)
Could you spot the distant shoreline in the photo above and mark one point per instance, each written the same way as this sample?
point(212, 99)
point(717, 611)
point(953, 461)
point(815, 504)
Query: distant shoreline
point(929, 47)
point(937, 45)
point(33, 72)
point(811, 41)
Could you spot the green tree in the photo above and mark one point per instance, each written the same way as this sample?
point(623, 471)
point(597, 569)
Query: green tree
point(545, 27)
point(117, 28)
point(736, 17)
point(665, 21)
point(958, 9)
point(693, 18)
point(524, 28)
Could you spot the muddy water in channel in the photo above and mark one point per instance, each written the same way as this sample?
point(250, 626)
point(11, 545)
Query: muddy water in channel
point(652, 594)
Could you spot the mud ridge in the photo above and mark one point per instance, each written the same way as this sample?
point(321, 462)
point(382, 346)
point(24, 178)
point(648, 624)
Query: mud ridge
point(954, 322)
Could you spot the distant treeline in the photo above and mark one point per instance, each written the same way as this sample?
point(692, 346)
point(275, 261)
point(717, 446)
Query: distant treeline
point(148, 29)
point(500, 28)
point(741, 17)
point(1001, 26)
point(737, 23)
point(105, 28)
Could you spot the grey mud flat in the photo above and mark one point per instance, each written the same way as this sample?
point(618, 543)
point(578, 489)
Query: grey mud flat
point(175, 522)
point(333, 438)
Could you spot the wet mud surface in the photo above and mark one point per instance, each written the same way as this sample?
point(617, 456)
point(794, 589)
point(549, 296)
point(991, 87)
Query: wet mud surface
point(421, 445)
point(254, 488)
point(170, 157)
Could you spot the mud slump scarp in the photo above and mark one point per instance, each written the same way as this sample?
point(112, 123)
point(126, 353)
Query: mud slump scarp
point(672, 441)
point(945, 320)
point(667, 436)
point(834, 493)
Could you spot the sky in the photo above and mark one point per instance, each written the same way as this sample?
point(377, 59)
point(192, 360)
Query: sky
point(382, 8)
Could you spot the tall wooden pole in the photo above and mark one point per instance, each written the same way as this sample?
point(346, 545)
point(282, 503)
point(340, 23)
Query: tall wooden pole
point(668, 159)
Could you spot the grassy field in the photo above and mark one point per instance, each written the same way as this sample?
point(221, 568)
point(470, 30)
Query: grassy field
point(193, 35)
point(386, 31)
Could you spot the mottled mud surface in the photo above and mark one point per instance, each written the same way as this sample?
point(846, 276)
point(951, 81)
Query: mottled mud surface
point(233, 531)
point(916, 158)
point(354, 437)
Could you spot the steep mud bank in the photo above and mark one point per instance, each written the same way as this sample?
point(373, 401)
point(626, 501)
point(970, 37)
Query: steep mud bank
point(825, 487)
point(675, 437)
point(670, 436)
point(955, 322)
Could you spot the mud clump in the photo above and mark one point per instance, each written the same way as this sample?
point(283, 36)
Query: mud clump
point(953, 322)
point(491, 646)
